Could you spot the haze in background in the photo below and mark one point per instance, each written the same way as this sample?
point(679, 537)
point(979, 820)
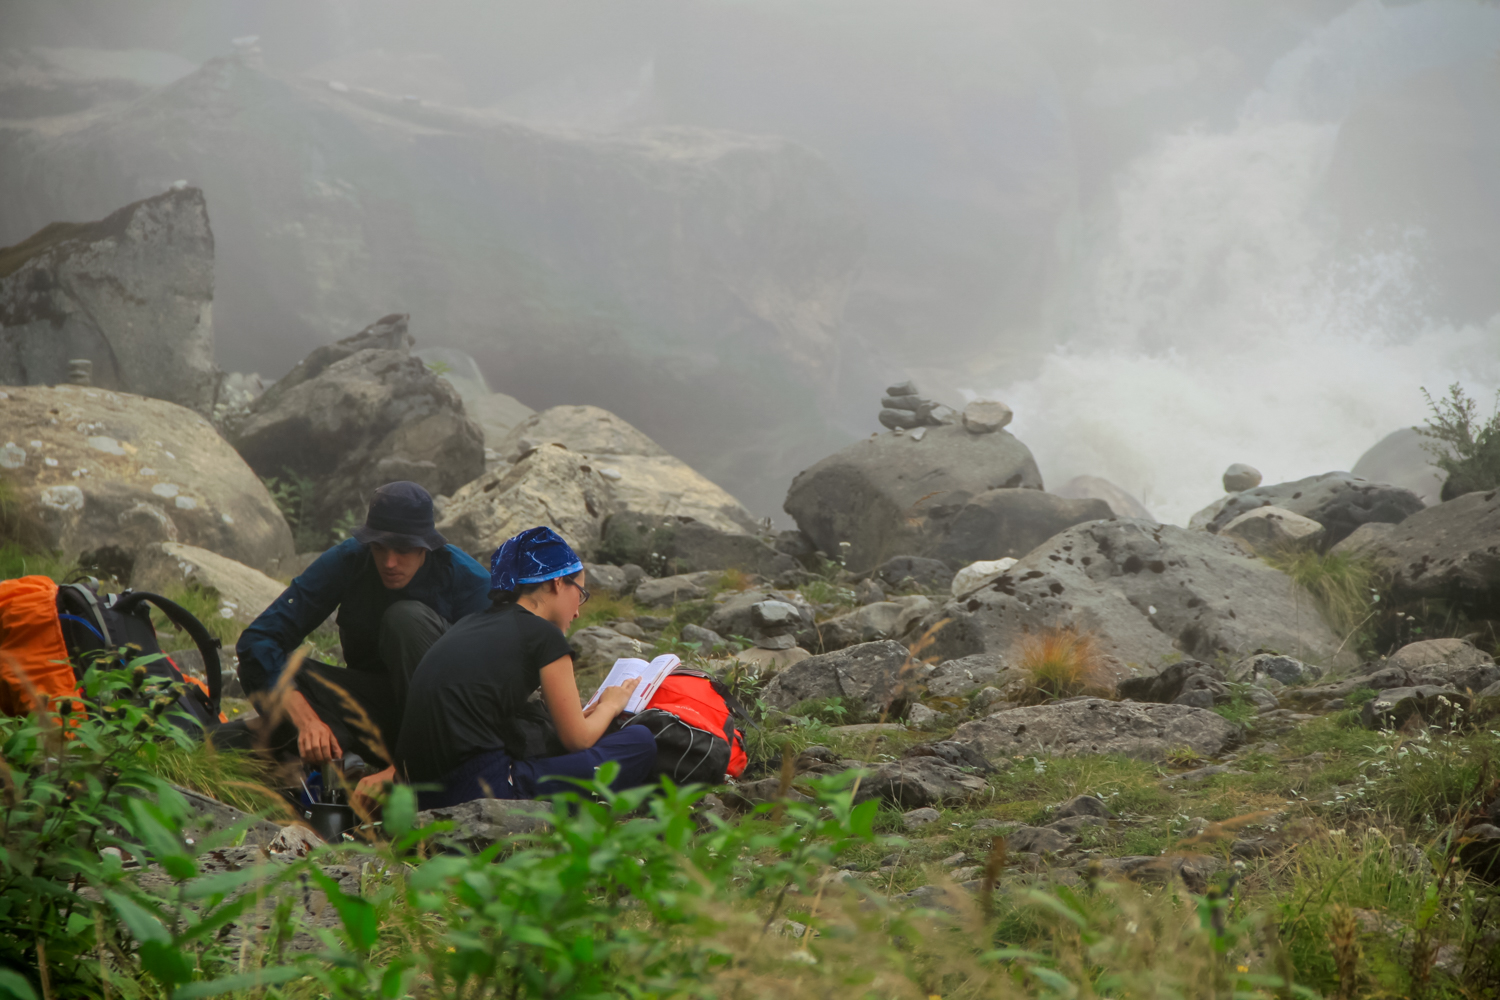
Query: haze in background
point(1172, 235)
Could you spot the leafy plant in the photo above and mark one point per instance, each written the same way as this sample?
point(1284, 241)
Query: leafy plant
point(16, 561)
point(294, 495)
point(1465, 448)
point(1057, 663)
point(1240, 709)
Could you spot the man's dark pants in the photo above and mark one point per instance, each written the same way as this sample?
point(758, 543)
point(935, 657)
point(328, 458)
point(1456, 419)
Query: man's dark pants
point(362, 707)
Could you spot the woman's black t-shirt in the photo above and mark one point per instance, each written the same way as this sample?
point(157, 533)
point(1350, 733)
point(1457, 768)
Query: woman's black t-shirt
point(477, 675)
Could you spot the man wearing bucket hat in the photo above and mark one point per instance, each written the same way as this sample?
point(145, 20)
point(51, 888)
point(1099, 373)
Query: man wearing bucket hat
point(397, 585)
point(470, 726)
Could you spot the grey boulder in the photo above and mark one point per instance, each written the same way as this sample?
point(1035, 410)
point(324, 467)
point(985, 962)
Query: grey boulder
point(599, 647)
point(132, 293)
point(1121, 502)
point(1096, 726)
point(873, 622)
point(1146, 592)
point(1431, 704)
point(915, 573)
point(953, 678)
point(1340, 502)
point(868, 677)
point(1282, 669)
point(1005, 523)
point(736, 616)
point(916, 782)
point(357, 414)
point(669, 590)
point(102, 476)
point(879, 493)
point(679, 544)
point(1239, 477)
point(1448, 552)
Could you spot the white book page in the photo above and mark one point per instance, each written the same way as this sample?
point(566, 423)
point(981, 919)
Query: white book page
point(651, 675)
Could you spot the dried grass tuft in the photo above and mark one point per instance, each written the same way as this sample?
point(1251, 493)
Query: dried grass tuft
point(1059, 663)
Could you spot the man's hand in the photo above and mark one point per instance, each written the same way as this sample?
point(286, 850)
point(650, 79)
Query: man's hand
point(315, 741)
point(612, 699)
point(370, 787)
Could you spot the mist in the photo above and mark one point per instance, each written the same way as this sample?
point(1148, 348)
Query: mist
point(1170, 235)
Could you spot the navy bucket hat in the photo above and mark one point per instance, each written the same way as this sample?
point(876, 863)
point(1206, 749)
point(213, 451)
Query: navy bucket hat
point(400, 517)
point(535, 555)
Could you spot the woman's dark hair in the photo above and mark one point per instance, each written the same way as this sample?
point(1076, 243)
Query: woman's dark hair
point(500, 598)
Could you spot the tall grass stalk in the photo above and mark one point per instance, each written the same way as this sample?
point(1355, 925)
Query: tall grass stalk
point(1344, 587)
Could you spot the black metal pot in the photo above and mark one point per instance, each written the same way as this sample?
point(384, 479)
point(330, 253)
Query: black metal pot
point(330, 820)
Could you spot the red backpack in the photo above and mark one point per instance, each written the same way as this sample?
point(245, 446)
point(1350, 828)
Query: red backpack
point(692, 716)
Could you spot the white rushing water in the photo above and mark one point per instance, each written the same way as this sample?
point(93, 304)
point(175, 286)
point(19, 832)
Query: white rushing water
point(1218, 317)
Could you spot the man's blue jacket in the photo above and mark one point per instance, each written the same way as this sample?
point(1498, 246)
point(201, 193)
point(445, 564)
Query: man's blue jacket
point(450, 582)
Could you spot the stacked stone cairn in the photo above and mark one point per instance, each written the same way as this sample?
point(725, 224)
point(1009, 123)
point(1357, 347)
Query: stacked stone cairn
point(904, 408)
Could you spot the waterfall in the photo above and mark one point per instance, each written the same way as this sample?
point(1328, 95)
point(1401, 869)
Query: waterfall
point(1220, 316)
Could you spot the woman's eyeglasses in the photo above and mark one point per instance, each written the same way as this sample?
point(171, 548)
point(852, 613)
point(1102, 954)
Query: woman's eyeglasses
point(583, 594)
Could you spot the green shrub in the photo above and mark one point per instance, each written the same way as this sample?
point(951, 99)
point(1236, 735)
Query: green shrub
point(1467, 450)
point(16, 561)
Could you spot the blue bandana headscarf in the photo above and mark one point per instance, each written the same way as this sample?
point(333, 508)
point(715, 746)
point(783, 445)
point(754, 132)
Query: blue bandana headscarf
point(535, 555)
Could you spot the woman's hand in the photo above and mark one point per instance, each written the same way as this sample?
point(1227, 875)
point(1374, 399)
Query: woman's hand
point(614, 699)
point(369, 788)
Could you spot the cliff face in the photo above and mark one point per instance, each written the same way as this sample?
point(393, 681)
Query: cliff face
point(705, 272)
point(133, 293)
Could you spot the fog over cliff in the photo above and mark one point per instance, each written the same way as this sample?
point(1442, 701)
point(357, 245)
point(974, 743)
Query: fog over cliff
point(1171, 235)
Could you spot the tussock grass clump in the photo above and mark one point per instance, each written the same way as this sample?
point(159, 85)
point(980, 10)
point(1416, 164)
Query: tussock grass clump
point(1344, 587)
point(1058, 663)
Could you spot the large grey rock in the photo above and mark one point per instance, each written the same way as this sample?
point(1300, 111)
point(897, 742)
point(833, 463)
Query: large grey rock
point(669, 590)
point(952, 678)
point(672, 545)
point(133, 293)
point(1431, 703)
point(873, 622)
point(1186, 682)
point(550, 486)
point(1145, 592)
point(597, 646)
point(1038, 840)
point(105, 475)
point(1009, 523)
point(1240, 477)
point(1338, 501)
point(496, 413)
point(916, 782)
point(482, 822)
point(736, 616)
point(1095, 726)
point(1402, 458)
point(880, 493)
point(1282, 669)
point(645, 478)
point(243, 592)
point(869, 678)
point(1273, 531)
point(915, 573)
point(978, 574)
point(1448, 552)
point(355, 415)
point(985, 416)
point(1097, 488)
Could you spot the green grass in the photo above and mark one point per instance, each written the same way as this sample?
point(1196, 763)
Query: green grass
point(238, 779)
point(1343, 587)
point(18, 562)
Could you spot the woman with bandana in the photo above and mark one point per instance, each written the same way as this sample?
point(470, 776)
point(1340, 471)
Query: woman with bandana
point(469, 725)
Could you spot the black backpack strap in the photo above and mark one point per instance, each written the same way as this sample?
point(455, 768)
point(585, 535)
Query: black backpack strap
point(208, 646)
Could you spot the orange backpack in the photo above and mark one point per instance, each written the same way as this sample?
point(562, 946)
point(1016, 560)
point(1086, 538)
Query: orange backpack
point(692, 716)
point(34, 662)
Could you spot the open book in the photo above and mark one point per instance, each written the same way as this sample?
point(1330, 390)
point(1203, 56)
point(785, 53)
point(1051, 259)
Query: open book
point(651, 675)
